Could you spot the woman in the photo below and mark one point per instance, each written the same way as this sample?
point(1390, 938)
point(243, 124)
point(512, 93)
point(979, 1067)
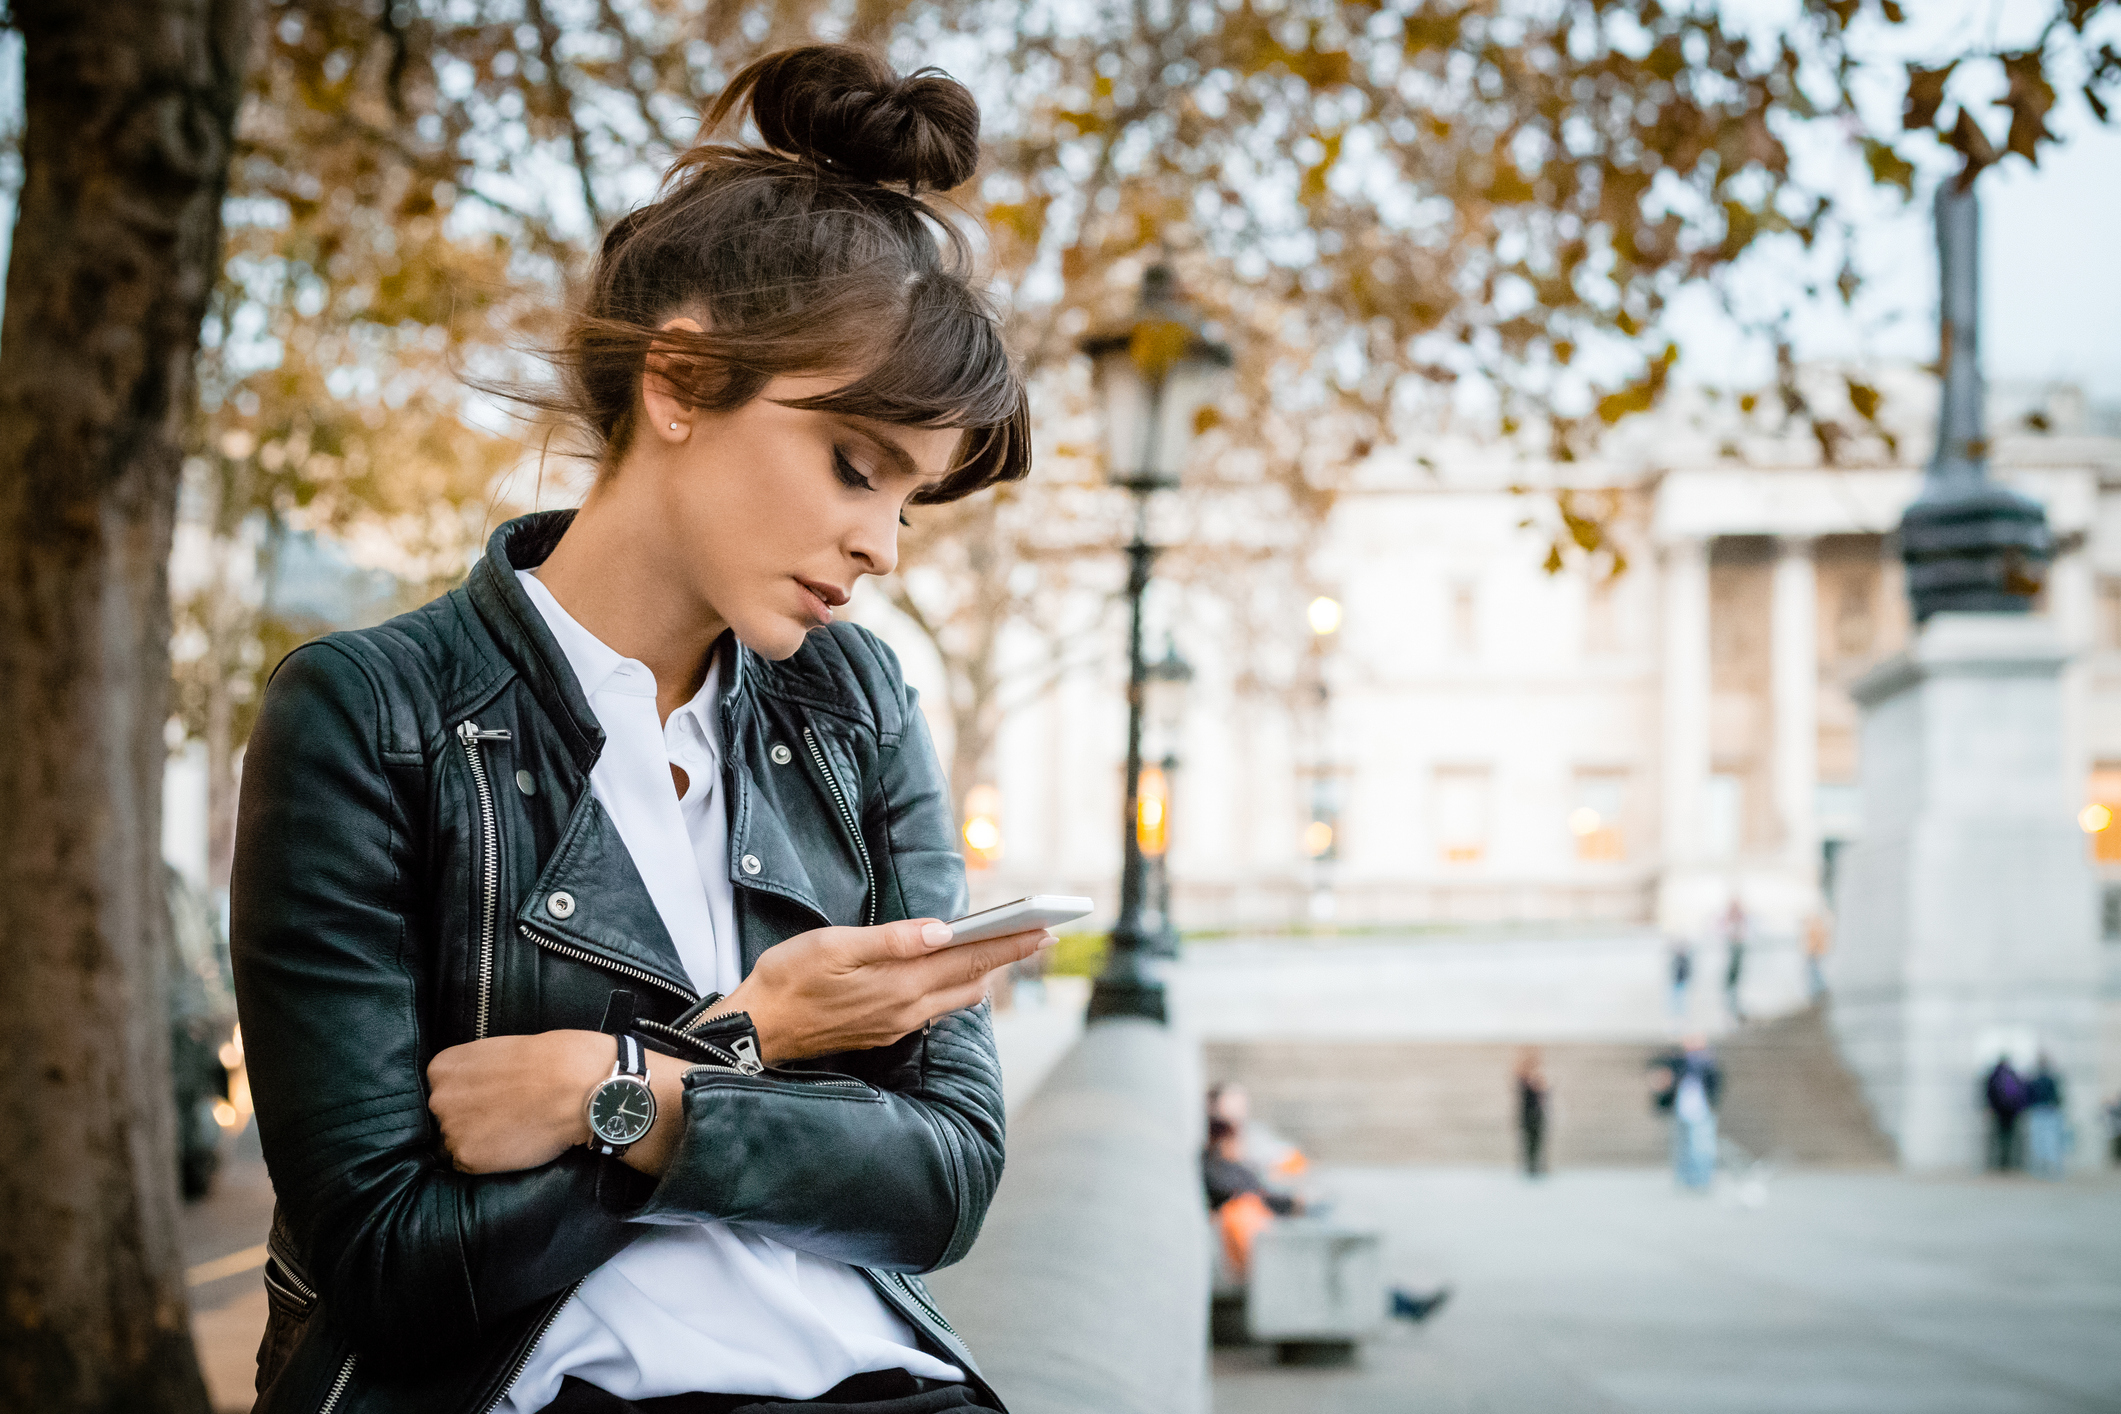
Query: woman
point(607, 1052)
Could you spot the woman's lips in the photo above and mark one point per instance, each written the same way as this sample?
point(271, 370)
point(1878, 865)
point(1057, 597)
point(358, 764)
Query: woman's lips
point(815, 600)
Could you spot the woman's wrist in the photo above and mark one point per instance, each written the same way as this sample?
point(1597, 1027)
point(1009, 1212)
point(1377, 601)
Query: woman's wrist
point(585, 1062)
point(749, 999)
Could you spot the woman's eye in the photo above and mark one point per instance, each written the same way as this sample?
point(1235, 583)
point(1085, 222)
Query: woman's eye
point(849, 474)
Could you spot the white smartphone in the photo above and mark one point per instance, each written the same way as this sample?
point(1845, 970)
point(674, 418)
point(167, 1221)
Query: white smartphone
point(1020, 916)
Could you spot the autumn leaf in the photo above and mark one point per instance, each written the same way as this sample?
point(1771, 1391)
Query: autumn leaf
point(2029, 99)
point(1864, 398)
point(1888, 168)
point(1925, 95)
point(1156, 345)
point(1970, 142)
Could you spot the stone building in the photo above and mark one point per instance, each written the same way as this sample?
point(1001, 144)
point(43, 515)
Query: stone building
point(1481, 740)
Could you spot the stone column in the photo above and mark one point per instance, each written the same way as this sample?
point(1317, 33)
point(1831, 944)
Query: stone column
point(1794, 679)
point(1685, 765)
point(1967, 908)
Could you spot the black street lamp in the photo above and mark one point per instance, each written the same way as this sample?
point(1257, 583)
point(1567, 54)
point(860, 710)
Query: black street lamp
point(1969, 544)
point(1164, 688)
point(1157, 377)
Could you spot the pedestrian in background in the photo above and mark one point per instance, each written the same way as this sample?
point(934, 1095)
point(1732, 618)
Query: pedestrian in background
point(2046, 1127)
point(1532, 1111)
point(2005, 1091)
point(1735, 927)
point(1682, 973)
point(1818, 939)
point(1688, 1091)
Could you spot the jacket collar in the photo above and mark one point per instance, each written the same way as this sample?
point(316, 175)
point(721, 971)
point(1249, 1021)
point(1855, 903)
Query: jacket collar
point(524, 639)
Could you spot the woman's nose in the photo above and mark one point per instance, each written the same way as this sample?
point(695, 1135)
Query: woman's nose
point(874, 545)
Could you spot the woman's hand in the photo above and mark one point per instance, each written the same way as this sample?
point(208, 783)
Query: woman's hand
point(515, 1102)
point(849, 989)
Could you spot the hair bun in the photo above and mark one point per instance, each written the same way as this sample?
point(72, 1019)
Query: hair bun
point(844, 110)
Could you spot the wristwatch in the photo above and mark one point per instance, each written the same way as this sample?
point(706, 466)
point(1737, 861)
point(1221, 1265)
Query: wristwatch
point(622, 1108)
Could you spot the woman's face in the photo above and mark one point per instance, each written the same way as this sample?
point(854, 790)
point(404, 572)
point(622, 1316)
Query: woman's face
point(772, 513)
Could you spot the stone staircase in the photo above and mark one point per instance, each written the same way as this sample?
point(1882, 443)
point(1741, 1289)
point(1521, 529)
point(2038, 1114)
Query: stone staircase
point(1787, 1098)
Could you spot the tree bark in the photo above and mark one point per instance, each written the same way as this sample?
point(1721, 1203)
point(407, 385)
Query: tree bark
point(129, 110)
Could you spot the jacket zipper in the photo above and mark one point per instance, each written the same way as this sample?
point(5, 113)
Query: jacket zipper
point(742, 1055)
point(523, 1360)
point(911, 1290)
point(593, 960)
point(338, 1386)
point(854, 827)
point(490, 841)
point(277, 1275)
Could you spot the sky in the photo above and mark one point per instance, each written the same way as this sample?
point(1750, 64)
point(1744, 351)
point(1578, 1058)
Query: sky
point(2050, 279)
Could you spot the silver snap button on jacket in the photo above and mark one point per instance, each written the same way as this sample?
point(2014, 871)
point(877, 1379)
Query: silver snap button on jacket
point(561, 904)
point(781, 755)
point(526, 783)
point(751, 864)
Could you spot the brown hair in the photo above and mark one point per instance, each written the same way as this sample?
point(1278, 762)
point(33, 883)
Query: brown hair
point(813, 254)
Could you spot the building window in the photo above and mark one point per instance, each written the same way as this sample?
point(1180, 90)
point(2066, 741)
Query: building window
point(2101, 816)
point(2110, 611)
point(1601, 798)
point(1465, 619)
point(1461, 795)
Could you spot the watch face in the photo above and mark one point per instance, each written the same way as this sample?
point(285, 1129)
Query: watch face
point(621, 1109)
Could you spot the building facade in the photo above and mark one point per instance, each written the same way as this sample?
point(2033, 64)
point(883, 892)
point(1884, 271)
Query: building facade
point(1480, 739)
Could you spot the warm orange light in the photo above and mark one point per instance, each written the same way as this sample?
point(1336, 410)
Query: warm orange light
point(1318, 839)
point(983, 826)
point(2095, 817)
point(1152, 812)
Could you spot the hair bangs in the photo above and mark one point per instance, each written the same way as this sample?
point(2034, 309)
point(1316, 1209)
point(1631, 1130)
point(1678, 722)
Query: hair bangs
point(948, 367)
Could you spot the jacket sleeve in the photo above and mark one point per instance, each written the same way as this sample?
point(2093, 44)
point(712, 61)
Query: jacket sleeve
point(893, 1172)
point(412, 1259)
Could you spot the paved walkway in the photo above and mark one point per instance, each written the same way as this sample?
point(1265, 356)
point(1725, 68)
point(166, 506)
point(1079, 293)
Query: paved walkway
point(1469, 985)
point(1598, 1292)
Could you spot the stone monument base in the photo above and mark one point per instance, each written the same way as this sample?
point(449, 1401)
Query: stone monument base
point(1967, 909)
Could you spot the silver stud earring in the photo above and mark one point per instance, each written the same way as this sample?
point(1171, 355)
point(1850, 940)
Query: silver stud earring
point(673, 427)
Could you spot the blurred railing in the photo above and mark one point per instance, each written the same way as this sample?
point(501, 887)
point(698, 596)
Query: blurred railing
point(1087, 1292)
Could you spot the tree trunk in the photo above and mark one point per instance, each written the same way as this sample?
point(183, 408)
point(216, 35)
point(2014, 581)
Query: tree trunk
point(129, 111)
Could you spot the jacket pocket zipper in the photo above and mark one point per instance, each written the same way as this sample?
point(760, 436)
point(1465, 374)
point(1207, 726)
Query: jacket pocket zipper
point(742, 1056)
point(582, 955)
point(338, 1386)
point(280, 1280)
point(490, 878)
point(854, 826)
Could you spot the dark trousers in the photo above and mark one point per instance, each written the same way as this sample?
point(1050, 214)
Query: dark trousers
point(875, 1392)
point(1532, 1129)
point(2003, 1140)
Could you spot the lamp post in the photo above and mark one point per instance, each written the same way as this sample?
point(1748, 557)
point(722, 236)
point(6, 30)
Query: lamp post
point(1155, 376)
point(1165, 685)
point(1969, 544)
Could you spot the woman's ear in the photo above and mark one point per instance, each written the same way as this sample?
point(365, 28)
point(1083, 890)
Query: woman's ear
point(665, 371)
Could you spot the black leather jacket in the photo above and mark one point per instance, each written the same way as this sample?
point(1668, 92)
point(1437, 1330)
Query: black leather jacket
point(414, 795)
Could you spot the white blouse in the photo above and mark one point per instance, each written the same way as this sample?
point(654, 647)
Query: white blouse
point(706, 1307)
